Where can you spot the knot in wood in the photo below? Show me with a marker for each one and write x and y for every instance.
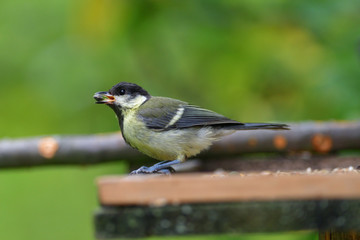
(322, 143)
(48, 147)
(280, 142)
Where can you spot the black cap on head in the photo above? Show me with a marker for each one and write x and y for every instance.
(123, 88)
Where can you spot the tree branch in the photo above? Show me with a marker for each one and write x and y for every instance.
(89, 149)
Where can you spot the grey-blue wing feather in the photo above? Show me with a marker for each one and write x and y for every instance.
(158, 112)
(196, 116)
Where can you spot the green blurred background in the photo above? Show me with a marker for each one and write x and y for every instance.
(250, 60)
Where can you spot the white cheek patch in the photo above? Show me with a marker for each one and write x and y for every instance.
(126, 101)
(120, 100)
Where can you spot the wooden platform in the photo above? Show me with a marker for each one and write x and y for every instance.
(183, 204)
(225, 187)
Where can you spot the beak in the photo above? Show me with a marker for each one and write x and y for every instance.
(104, 98)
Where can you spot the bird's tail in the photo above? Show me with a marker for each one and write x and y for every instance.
(252, 126)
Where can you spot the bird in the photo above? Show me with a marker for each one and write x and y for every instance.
(168, 129)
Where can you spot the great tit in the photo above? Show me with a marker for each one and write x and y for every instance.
(167, 129)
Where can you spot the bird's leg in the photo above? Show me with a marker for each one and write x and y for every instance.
(163, 167)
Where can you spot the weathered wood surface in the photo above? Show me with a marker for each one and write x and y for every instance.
(207, 188)
(183, 204)
(246, 163)
(339, 235)
(277, 163)
(216, 218)
(321, 137)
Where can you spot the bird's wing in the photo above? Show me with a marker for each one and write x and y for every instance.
(196, 116)
(166, 113)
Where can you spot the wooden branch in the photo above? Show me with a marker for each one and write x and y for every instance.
(321, 137)
(88, 149)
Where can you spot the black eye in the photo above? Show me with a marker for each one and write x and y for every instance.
(122, 91)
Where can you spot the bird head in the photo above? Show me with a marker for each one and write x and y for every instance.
(123, 95)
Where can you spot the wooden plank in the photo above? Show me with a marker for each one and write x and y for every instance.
(207, 188)
(217, 218)
(339, 235)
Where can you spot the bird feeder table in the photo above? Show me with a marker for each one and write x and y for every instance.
(189, 204)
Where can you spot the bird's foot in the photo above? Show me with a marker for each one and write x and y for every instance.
(150, 170)
(163, 167)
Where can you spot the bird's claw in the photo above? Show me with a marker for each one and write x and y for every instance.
(152, 170)
(166, 171)
(163, 167)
